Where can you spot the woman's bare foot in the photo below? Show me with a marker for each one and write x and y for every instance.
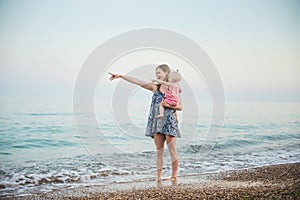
(174, 181)
(159, 184)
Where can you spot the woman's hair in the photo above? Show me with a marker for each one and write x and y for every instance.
(165, 69)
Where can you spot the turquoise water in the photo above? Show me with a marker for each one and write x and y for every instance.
(41, 148)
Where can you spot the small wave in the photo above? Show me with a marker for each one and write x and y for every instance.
(195, 148)
(277, 137)
(49, 114)
(221, 145)
(241, 127)
(5, 153)
(63, 178)
(236, 143)
(42, 143)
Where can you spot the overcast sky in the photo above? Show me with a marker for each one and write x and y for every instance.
(254, 44)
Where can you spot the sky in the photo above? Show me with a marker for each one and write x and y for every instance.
(254, 44)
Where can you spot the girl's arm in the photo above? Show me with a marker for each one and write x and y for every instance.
(143, 84)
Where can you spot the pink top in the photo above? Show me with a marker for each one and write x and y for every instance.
(172, 95)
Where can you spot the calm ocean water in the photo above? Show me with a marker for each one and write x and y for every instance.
(41, 150)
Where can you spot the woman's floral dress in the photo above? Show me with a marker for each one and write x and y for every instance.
(166, 125)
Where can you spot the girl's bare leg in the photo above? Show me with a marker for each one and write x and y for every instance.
(171, 142)
(161, 111)
(176, 115)
(159, 140)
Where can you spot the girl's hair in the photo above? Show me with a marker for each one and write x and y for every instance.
(176, 75)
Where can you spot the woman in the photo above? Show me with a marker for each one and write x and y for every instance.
(161, 129)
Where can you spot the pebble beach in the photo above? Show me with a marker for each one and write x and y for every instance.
(268, 182)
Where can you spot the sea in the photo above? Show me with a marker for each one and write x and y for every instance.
(45, 145)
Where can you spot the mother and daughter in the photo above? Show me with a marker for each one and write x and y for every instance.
(162, 120)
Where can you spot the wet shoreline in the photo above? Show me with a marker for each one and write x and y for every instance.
(275, 181)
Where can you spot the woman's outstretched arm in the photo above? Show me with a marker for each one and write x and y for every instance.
(143, 84)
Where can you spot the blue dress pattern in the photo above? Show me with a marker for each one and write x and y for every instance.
(166, 125)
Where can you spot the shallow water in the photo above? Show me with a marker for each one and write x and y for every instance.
(41, 147)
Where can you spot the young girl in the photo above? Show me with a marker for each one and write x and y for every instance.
(172, 94)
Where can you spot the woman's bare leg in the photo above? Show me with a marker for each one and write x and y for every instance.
(159, 140)
(171, 142)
